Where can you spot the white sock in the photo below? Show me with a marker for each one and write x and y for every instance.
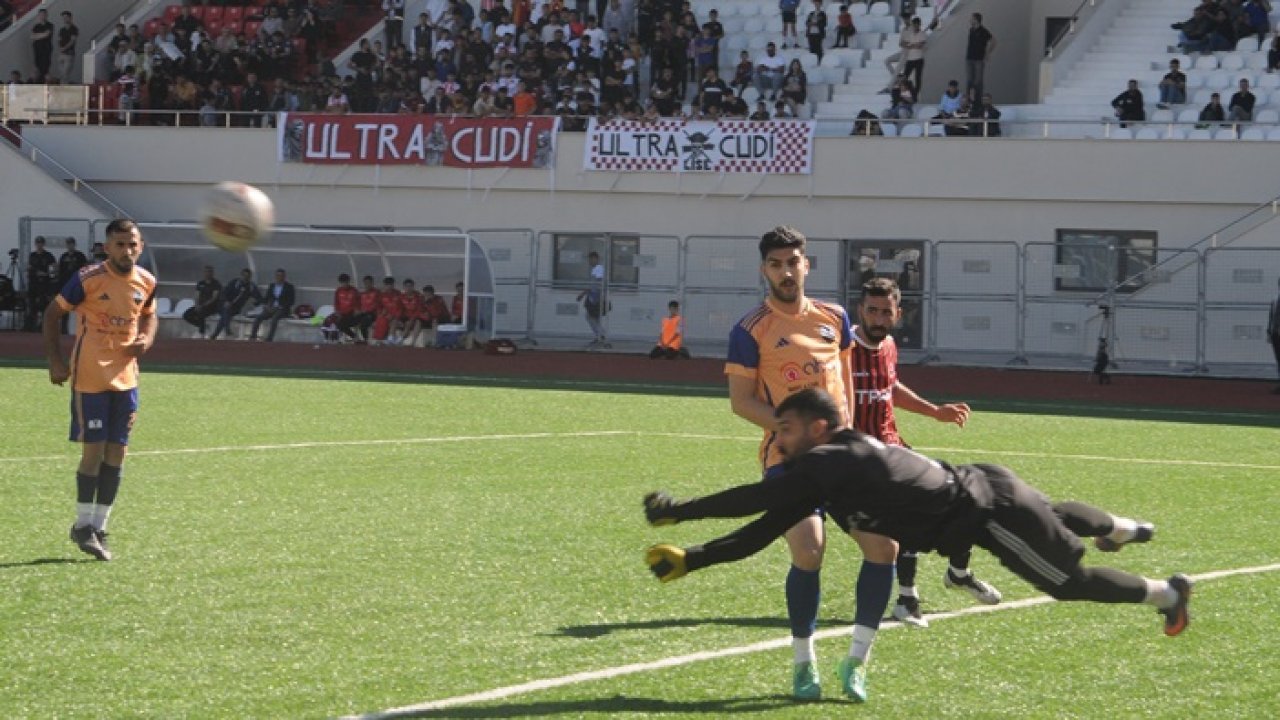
(803, 649)
(100, 515)
(907, 590)
(1160, 594)
(860, 648)
(84, 514)
(1122, 529)
(956, 572)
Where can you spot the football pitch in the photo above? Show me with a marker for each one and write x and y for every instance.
(314, 547)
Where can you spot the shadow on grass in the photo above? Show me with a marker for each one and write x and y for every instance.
(595, 631)
(44, 561)
(618, 705)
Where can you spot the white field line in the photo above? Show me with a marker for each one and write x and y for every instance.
(345, 443)
(634, 433)
(670, 662)
(1012, 453)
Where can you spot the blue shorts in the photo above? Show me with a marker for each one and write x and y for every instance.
(103, 416)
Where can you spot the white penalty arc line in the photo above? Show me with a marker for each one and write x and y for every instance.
(670, 662)
(346, 443)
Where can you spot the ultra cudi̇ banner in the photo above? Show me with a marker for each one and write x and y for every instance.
(528, 142)
(726, 146)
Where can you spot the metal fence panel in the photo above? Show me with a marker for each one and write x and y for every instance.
(709, 317)
(1160, 337)
(1237, 336)
(510, 254)
(1059, 328)
(981, 325)
(1241, 275)
(642, 275)
(976, 268)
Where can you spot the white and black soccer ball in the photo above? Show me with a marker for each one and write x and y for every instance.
(236, 216)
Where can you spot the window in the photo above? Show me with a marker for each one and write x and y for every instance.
(1099, 260)
(903, 262)
(571, 266)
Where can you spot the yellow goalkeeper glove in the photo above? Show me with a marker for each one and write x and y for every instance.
(658, 509)
(666, 562)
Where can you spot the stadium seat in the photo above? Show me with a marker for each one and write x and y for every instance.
(163, 305)
(747, 9)
(1256, 61)
(1266, 117)
(1231, 62)
(212, 13)
(1162, 116)
(732, 26)
(758, 42)
(1201, 98)
(913, 130)
(1194, 81)
(857, 10)
(1226, 133)
(212, 28)
(235, 25)
(197, 11)
(1147, 133)
(1176, 134)
(879, 9)
(251, 28)
(1269, 81)
(1260, 97)
(1119, 133)
(151, 28)
(1273, 134)
(233, 14)
(171, 13)
(1200, 134)
(887, 25)
(1189, 115)
(1206, 62)
(1253, 133)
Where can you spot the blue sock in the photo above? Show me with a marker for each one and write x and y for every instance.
(803, 593)
(875, 585)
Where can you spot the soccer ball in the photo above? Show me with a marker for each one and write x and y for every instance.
(236, 216)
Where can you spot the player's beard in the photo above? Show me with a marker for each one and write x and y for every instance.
(124, 266)
(788, 291)
(875, 333)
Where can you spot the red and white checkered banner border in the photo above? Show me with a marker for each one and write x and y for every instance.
(726, 146)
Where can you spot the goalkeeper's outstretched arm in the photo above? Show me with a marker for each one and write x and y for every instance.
(660, 508)
(669, 562)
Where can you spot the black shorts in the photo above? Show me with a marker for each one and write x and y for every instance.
(1026, 535)
(788, 17)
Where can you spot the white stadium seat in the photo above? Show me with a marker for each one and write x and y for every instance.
(753, 25)
(914, 130)
(1189, 115)
(1119, 133)
(879, 8)
(1200, 134)
(1162, 116)
(1273, 134)
(1266, 117)
(1147, 133)
(1232, 62)
(163, 306)
(1226, 133)
(1253, 133)
(1206, 62)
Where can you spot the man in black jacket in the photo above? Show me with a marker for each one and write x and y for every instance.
(923, 504)
(1129, 105)
(235, 295)
(277, 303)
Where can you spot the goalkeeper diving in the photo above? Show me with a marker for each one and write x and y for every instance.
(924, 505)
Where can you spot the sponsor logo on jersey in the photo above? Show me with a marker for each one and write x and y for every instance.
(792, 372)
(870, 397)
(826, 332)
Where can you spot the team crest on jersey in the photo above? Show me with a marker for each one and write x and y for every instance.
(827, 332)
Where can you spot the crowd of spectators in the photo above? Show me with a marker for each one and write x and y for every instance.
(607, 58)
(1217, 25)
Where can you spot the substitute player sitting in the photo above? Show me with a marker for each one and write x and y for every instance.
(404, 330)
(922, 503)
(115, 325)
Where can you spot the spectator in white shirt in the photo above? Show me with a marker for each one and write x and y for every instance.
(770, 68)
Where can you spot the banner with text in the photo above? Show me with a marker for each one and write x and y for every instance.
(725, 146)
(528, 142)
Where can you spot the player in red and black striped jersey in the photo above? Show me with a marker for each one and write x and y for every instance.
(876, 391)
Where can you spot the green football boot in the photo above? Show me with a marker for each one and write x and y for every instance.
(804, 682)
(853, 679)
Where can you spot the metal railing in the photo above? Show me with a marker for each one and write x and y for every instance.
(58, 171)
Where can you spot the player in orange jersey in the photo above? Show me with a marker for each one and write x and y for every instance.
(671, 339)
(787, 344)
(115, 325)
